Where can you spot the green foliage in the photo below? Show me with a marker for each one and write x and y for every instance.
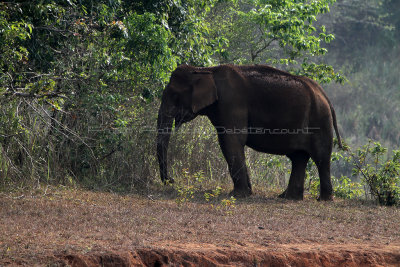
(80, 83)
(268, 171)
(379, 173)
(277, 32)
(214, 194)
(185, 193)
(345, 188)
(227, 205)
(191, 185)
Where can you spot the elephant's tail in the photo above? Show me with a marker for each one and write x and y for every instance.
(335, 125)
(333, 119)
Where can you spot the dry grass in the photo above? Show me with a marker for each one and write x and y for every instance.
(37, 225)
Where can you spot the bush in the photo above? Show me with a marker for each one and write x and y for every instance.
(344, 187)
(379, 172)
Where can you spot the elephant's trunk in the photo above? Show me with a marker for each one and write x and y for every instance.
(164, 128)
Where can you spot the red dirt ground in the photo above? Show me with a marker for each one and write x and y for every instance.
(59, 227)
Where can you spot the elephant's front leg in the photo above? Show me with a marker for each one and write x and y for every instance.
(233, 150)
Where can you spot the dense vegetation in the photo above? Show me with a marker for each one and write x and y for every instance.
(80, 82)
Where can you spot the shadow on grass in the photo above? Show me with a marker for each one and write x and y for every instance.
(173, 192)
(158, 191)
(262, 196)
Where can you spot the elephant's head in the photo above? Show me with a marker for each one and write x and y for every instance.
(189, 91)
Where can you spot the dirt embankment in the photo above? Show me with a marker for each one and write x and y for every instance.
(293, 255)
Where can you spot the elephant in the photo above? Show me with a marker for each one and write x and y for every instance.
(264, 108)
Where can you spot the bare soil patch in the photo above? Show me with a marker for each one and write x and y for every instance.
(82, 228)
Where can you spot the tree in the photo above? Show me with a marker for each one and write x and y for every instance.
(276, 32)
(79, 79)
(74, 75)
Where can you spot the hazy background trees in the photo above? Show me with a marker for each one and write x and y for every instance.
(80, 80)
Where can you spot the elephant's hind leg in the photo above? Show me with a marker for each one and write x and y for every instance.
(295, 189)
(326, 189)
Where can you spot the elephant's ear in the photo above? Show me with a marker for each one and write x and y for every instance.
(204, 91)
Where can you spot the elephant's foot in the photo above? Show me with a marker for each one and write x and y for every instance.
(241, 193)
(325, 197)
(291, 196)
(283, 195)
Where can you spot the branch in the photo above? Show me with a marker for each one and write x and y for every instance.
(61, 125)
(33, 95)
(255, 54)
(51, 29)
